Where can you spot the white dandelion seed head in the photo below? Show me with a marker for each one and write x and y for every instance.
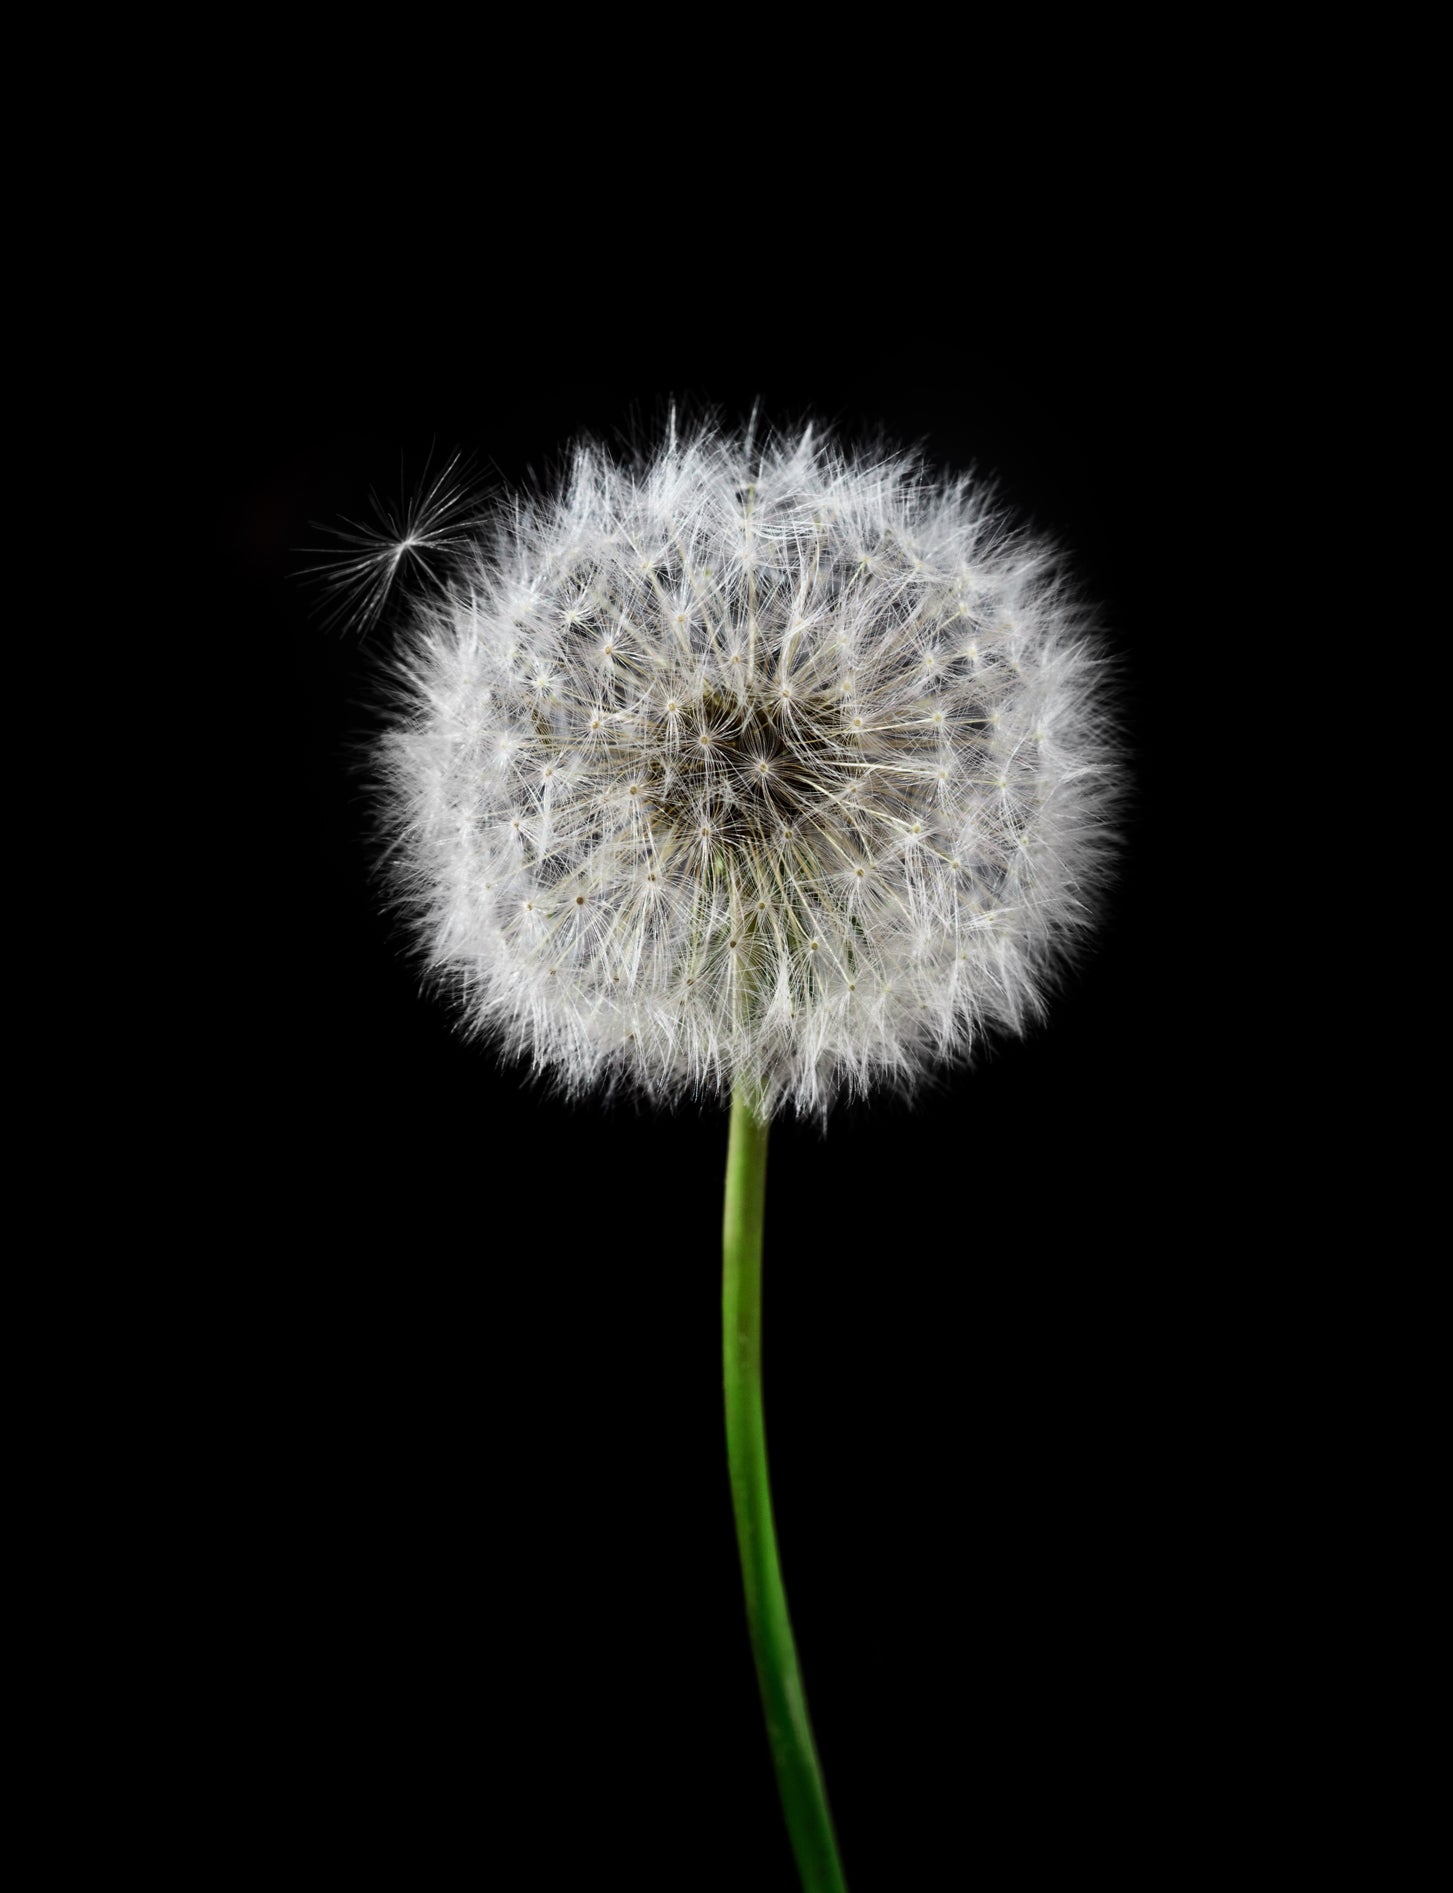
(742, 763)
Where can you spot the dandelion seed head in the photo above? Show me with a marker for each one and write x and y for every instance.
(693, 779)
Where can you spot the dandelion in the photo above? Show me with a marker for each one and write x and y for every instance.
(772, 772)
(758, 771)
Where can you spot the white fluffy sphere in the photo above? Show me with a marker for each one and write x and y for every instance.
(774, 766)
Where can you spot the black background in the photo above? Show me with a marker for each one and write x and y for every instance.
(480, 1563)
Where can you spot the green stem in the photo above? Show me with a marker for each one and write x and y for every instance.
(799, 1774)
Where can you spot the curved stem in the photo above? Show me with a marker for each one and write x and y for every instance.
(799, 1774)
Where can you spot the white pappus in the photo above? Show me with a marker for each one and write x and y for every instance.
(770, 765)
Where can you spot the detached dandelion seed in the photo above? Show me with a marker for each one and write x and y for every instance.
(758, 771)
(367, 566)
